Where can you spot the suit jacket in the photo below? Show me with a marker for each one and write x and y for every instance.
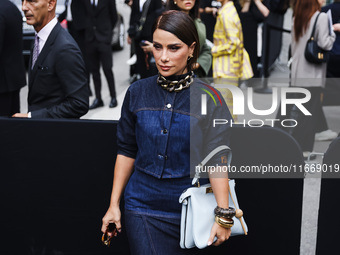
(12, 69)
(58, 81)
(101, 20)
(78, 12)
(155, 9)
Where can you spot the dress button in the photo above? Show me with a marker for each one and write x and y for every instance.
(165, 157)
(165, 131)
(168, 106)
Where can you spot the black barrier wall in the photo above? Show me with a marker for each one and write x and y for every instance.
(55, 186)
(329, 224)
(56, 180)
(272, 206)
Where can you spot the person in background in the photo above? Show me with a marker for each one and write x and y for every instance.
(133, 57)
(56, 73)
(251, 13)
(154, 151)
(332, 87)
(309, 75)
(101, 17)
(191, 7)
(75, 16)
(141, 42)
(230, 60)
(208, 12)
(12, 68)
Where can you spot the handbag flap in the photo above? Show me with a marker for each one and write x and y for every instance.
(188, 192)
(203, 205)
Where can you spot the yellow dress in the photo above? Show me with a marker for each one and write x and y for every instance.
(230, 60)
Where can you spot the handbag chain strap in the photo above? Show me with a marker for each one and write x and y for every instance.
(143, 16)
(312, 34)
(199, 167)
(240, 217)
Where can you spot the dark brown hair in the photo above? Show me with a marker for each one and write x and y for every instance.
(193, 13)
(303, 12)
(183, 27)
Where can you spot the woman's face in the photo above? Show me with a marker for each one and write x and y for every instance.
(170, 53)
(186, 5)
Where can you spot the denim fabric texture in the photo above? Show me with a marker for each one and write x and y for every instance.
(167, 135)
(147, 236)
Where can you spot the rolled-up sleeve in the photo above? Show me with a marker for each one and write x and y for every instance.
(126, 132)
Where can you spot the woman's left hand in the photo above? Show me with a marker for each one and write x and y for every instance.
(222, 235)
(148, 46)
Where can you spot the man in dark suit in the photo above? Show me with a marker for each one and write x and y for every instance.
(57, 76)
(12, 69)
(101, 19)
(76, 21)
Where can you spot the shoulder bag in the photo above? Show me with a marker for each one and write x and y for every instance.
(198, 204)
(313, 53)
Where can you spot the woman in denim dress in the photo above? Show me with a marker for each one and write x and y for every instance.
(162, 134)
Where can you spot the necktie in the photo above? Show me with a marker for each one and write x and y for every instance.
(35, 50)
(94, 4)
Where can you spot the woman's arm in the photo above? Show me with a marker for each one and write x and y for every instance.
(220, 186)
(231, 33)
(211, 10)
(262, 8)
(122, 173)
(245, 6)
(324, 37)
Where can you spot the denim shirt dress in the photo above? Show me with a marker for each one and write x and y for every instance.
(167, 136)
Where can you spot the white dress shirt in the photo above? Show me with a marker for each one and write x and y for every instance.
(45, 32)
(141, 3)
(95, 2)
(68, 12)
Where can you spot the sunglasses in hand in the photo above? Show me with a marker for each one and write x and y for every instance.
(110, 232)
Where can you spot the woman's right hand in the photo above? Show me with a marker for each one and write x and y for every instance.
(113, 215)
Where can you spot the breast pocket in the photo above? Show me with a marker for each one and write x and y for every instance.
(46, 81)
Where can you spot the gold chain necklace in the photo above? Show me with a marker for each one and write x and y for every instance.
(175, 85)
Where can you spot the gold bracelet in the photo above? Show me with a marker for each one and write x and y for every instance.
(224, 223)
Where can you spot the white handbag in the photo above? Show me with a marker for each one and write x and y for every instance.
(198, 204)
